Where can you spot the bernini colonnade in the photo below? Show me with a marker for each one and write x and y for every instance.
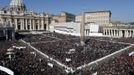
(123, 31)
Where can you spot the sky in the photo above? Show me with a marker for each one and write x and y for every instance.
(122, 10)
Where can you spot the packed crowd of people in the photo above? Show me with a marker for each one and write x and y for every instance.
(38, 38)
(68, 50)
(62, 50)
(126, 40)
(121, 65)
(25, 61)
(122, 39)
(4, 45)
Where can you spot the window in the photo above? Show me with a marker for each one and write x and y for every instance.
(28, 27)
(19, 27)
(5, 11)
(36, 27)
(44, 26)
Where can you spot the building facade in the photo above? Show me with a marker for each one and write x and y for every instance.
(74, 28)
(7, 32)
(63, 17)
(71, 28)
(22, 19)
(119, 30)
(100, 17)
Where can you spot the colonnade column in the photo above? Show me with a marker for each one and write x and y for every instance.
(33, 24)
(42, 24)
(106, 31)
(126, 33)
(22, 24)
(111, 32)
(30, 24)
(38, 24)
(26, 23)
(47, 23)
(16, 24)
(114, 32)
(131, 33)
(120, 33)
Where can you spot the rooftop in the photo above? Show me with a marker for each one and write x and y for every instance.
(98, 11)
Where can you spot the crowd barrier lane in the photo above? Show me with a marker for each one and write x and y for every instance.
(6, 70)
(104, 58)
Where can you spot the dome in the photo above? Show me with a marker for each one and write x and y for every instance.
(16, 3)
